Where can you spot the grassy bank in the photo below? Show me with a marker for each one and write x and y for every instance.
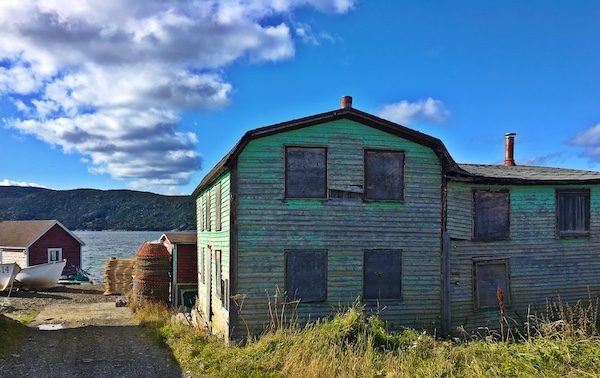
(10, 333)
(352, 344)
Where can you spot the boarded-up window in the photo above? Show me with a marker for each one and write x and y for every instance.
(218, 204)
(489, 276)
(573, 212)
(201, 212)
(384, 175)
(491, 218)
(305, 172)
(382, 274)
(201, 262)
(207, 214)
(218, 270)
(306, 275)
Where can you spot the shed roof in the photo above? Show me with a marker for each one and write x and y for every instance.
(346, 113)
(180, 237)
(528, 174)
(22, 234)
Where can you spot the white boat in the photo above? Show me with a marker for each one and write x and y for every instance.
(7, 275)
(42, 276)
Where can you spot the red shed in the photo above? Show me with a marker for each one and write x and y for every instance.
(36, 242)
(184, 260)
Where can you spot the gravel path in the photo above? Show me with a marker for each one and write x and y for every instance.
(97, 339)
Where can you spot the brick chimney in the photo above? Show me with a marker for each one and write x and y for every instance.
(346, 102)
(509, 150)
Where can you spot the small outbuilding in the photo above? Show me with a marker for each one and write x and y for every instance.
(184, 263)
(34, 242)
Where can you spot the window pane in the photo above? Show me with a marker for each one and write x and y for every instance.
(384, 175)
(382, 274)
(492, 215)
(306, 275)
(306, 172)
(573, 211)
(491, 275)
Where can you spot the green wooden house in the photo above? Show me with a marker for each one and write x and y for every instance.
(344, 205)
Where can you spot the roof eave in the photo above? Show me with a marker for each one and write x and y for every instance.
(350, 113)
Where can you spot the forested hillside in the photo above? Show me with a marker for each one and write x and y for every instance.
(91, 209)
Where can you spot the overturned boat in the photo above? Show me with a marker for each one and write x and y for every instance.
(7, 275)
(42, 276)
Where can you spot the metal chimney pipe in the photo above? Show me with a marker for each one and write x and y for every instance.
(509, 150)
(346, 102)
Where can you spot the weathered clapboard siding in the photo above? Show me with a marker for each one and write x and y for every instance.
(268, 224)
(216, 240)
(542, 266)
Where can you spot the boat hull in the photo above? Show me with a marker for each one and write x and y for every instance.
(42, 276)
(7, 275)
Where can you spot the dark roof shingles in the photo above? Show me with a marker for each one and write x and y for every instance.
(529, 173)
(22, 233)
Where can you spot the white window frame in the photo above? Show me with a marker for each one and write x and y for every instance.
(50, 250)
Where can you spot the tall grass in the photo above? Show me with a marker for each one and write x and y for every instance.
(563, 342)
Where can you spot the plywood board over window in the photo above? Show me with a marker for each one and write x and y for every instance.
(382, 274)
(491, 215)
(306, 275)
(305, 172)
(207, 215)
(573, 212)
(490, 275)
(384, 175)
(218, 271)
(218, 205)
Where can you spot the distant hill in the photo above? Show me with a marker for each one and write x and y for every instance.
(91, 209)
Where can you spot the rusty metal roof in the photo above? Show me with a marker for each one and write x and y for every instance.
(181, 237)
(527, 174)
(21, 234)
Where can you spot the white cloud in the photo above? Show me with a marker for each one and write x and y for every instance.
(108, 79)
(7, 182)
(407, 113)
(590, 141)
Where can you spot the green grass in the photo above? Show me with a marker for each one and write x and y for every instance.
(25, 318)
(11, 332)
(353, 345)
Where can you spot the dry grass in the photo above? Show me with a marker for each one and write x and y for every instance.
(11, 332)
(560, 343)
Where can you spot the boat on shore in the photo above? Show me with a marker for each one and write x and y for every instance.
(42, 276)
(8, 273)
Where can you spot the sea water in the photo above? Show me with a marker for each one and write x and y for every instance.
(101, 245)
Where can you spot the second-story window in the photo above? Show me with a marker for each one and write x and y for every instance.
(218, 204)
(573, 212)
(305, 172)
(491, 217)
(384, 175)
(207, 209)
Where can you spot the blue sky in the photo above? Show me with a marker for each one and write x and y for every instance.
(527, 67)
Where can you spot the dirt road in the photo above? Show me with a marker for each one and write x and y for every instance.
(93, 338)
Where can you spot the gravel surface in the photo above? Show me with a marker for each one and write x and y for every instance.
(94, 339)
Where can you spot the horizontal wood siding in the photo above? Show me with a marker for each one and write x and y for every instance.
(56, 237)
(269, 224)
(459, 213)
(18, 256)
(542, 266)
(216, 240)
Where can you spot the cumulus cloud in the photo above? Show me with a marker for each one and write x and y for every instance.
(407, 113)
(7, 182)
(109, 79)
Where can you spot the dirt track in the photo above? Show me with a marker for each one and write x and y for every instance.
(97, 339)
